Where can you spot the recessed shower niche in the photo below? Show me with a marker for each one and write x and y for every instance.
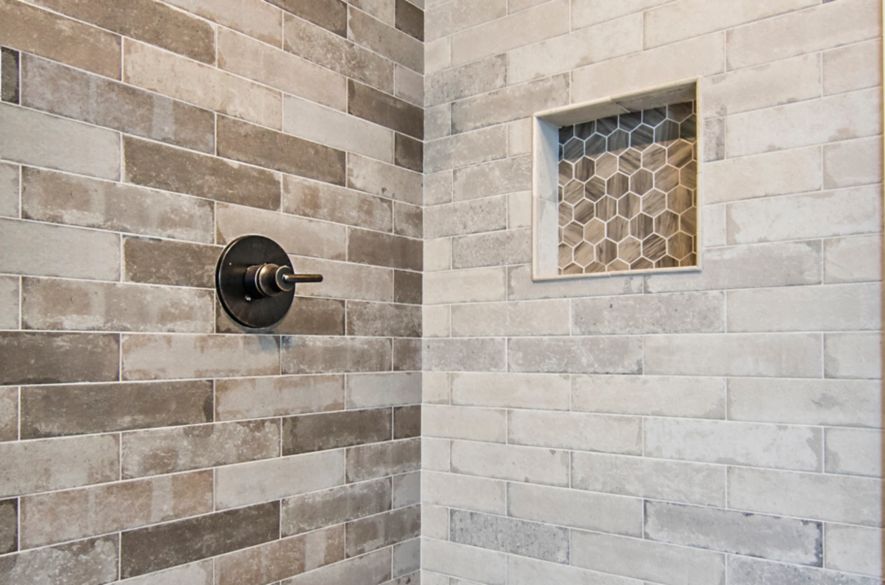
(616, 185)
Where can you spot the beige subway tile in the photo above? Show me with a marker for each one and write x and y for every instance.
(408, 85)
(53, 464)
(854, 452)
(510, 103)
(822, 27)
(853, 162)
(437, 56)
(52, 358)
(370, 569)
(464, 562)
(199, 573)
(9, 190)
(763, 175)
(589, 12)
(464, 149)
(306, 512)
(466, 217)
(854, 549)
(526, 571)
(505, 319)
(314, 355)
(573, 430)
(383, 10)
(456, 83)
(200, 84)
(40, 139)
(386, 40)
(280, 69)
(662, 313)
(540, 391)
(329, 202)
(464, 492)
(464, 355)
(460, 422)
(478, 284)
(578, 355)
(446, 18)
(242, 398)
(650, 395)
(256, 18)
(160, 451)
(382, 179)
(493, 178)
(346, 280)
(853, 355)
(513, 462)
(386, 389)
(383, 319)
(794, 355)
(810, 402)
(9, 302)
(437, 254)
(853, 67)
(69, 515)
(86, 561)
(855, 259)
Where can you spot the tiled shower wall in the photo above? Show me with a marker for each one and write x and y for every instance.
(703, 428)
(142, 435)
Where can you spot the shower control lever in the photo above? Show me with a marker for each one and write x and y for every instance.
(268, 279)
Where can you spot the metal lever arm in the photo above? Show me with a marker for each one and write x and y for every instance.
(268, 280)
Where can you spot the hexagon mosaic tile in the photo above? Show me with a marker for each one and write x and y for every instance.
(627, 192)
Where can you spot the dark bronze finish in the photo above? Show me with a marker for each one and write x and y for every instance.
(256, 282)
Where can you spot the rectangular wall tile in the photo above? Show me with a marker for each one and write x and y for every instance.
(383, 319)
(466, 562)
(511, 103)
(9, 190)
(8, 526)
(580, 431)
(582, 355)
(370, 461)
(470, 79)
(853, 355)
(370, 104)
(87, 561)
(852, 67)
(324, 201)
(368, 247)
(458, 422)
(512, 462)
(371, 569)
(9, 413)
(256, 18)
(316, 432)
(650, 395)
(9, 302)
(313, 355)
(746, 571)
(374, 532)
(465, 355)
(852, 162)
(541, 391)
(763, 175)
(306, 512)
(241, 398)
(854, 452)
(464, 492)
(388, 41)
(854, 549)
(156, 261)
(347, 280)
(386, 389)
(379, 178)
(494, 249)
(52, 358)
(329, 14)
(529, 539)
(625, 315)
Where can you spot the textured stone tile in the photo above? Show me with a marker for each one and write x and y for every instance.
(841, 117)
(280, 69)
(370, 569)
(86, 561)
(530, 539)
(71, 93)
(769, 537)
(199, 573)
(61, 198)
(323, 201)
(854, 452)
(385, 40)
(589, 12)
(471, 79)
(316, 432)
(347, 280)
(408, 287)
(444, 19)
(374, 532)
(494, 249)
(391, 458)
(436, 454)
(334, 52)
(9, 190)
(763, 175)
(163, 167)
(650, 395)
(576, 509)
(37, 31)
(437, 254)
(52, 464)
(643, 559)
(68, 515)
(776, 355)
(256, 18)
(200, 84)
(8, 413)
(822, 28)
(370, 104)
(833, 498)
(307, 316)
(296, 235)
(464, 492)
(406, 488)
(465, 355)
(493, 178)
(167, 262)
(466, 217)
(539, 391)
(159, 451)
(590, 355)
(680, 313)
(521, 286)
(634, 476)
(329, 14)
(242, 398)
(10, 86)
(272, 479)
(314, 355)
(466, 562)
(157, 547)
(408, 152)
(95, 408)
(383, 10)
(40, 139)
(459, 422)
(64, 304)
(434, 524)
(585, 432)
(147, 357)
(386, 389)
(8, 526)
(745, 571)
(853, 355)
(852, 162)
(511, 462)
(307, 512)
(9, 302)
(854, 549)
(525, 571)
(383, 319)
(410, 19)
(812, 402)
(511, 103)
(52, 358)
(279, 559)
(382, 179)
(852, 67)
(369, 247)
(465, 149)
(407, 354)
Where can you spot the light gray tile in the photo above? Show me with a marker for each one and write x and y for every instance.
(528, 539)
(746, 571)
(576, 509)
(513, 462)
(464, 491)
(590, 355)
(854, 452)
(854, 549)
(650, 395)
(853, 355)
(662, 313)
(573, 430)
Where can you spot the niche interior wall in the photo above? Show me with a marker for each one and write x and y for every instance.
(143, 437)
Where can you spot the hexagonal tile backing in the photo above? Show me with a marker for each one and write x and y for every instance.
(627, 192)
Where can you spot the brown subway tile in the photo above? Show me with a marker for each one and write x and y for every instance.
(407, 287)
(310, 355)
(316, 432)
(384, 109)
(159, 451)
(308, 316)
(73, 514)
(383, 319)
(406, 422)
(408, 220)
(323, 201)
(268, 148)
(382, 459)
(9, 75)
(406, 354)
(386, 40)
(329, 14)
(32, 30)
(409, 153)
(307, 512)
(145, 20)
(52, 358)
(56, 464)
(8, 413)
(91, 561)
(62, 198)
(67, 92)
(163, 167)
(410, 19)
(255, 18)
(101, 408)
(49, 303)
(277, 396)
(164, 262)
(8, 526)
(158, 547)
(374, 532)
(368, 247)
(280, 559)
